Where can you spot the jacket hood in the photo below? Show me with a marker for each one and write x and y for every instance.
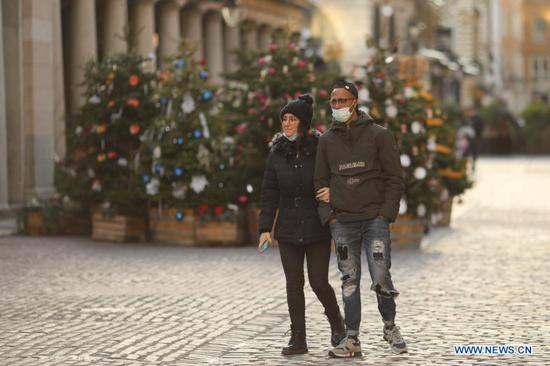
(364, 119)
(281, 144)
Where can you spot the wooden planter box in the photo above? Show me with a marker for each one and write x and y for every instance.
(118, 228)
(166, 229)
(34, 223)
(253, 220)
(407, 232)
(220, 233)
(446, 210)
(77, 224)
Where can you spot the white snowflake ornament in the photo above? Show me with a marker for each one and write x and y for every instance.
(198, 183)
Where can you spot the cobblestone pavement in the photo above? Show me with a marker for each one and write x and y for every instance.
(72, 301)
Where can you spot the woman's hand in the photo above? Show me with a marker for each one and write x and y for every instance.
(264, 237)
(323, 195)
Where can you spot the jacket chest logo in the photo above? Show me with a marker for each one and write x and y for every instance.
(353, 181)
(355, 164)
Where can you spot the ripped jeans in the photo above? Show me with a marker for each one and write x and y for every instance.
(374, 236)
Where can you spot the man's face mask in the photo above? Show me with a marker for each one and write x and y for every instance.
(341, 114)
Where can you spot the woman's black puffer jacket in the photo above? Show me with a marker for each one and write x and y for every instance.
(288, 186)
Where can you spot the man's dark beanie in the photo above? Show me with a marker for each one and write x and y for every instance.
(349, 86)
(301, 108)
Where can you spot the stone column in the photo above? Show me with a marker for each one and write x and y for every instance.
(115, 15)
(11, 29)
(265, 37)
(232, 43)
(142, 21)
(38, 70)
(4, 202)
(58, 80)
(191, 25)
(83, 46)
(169, 32)
(251, 39)
(214, 45)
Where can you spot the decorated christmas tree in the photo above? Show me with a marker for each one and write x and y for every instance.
(405, 110)
(449, 162)
(104, 136)
(186, 157)
(256, 92)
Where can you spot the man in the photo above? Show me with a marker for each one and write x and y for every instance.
(358, 173)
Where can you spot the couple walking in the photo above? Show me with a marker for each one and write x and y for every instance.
(346, 184)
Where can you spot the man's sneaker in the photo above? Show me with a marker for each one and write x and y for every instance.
(393, 337)
(349, 347)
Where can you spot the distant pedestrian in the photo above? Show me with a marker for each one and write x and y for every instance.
(288, 187)
(474, 120)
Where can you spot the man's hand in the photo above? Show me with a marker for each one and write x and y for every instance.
(323, 195)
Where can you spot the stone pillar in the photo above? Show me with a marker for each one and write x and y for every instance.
(4, 201)
(11, 29)
(115, 15)
(169, 29)
(191, 25)
(58, 80)
(38, 100)
(142, 21)
(83, 46)
(213, 45)
(251, 39)
(232, 43)
(265, 37)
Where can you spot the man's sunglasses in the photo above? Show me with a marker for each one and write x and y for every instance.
(339, 101)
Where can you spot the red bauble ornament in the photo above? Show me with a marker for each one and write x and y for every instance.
(243, 198)
(271, 71)
(202, 209)
(134, 129)
(273, 47)
(301, 64)
(323, 93)
(133, 102)
(134, 80)
(219, 210)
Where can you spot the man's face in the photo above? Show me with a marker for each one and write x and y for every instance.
(341, 98)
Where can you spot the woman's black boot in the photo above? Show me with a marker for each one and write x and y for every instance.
(297, 344)
(337, 329)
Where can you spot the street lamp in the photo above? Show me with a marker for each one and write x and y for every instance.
(231, 13)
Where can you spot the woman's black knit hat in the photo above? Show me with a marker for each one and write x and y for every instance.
(301, 108)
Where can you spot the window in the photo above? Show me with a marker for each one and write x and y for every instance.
(539, 30)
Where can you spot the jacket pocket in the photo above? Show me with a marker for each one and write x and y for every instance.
(356, 186)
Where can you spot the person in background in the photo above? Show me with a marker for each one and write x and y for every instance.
(475, 121)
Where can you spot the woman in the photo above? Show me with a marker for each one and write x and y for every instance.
(288, 187)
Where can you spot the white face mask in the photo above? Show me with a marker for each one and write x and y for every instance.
(291, 138)
(342, 114)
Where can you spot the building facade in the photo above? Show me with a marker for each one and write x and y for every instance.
(45, 44)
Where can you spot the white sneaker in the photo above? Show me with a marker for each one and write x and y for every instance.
(349, 347)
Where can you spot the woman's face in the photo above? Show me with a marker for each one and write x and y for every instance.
(290, 124)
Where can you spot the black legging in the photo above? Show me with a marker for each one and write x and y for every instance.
(318, 257)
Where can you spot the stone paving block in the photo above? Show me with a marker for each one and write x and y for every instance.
(484, 280)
